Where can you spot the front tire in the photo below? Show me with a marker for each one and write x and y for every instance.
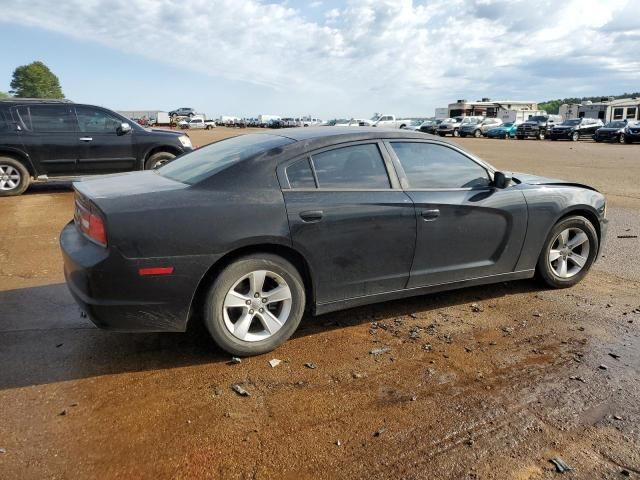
(255, 304)
(575, 136)
(157, 160)
(568, 252)
(456, 133)
(477, 134)
(540, 135)
(14, 177)
(621, 138)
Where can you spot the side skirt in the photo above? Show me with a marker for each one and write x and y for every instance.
(412, 292)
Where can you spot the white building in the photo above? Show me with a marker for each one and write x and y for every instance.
(569, 110)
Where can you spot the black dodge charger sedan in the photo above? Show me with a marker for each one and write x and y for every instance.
(251, 231)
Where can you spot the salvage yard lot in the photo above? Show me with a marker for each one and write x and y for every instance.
(488, 382)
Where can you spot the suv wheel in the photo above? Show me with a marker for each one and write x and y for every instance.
(621, 138)
(575, 136)
(456, 132)
(158, 159)
(14, 177)
(540, 135)
(477, 133)
(255, 304)
(568, 252)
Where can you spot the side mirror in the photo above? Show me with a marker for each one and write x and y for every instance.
(501, 179)
(123, 129)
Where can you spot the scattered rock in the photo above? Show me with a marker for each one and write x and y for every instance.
(414, 398)
(311, 365)
(74, 404)
(427, 347)
(338, 443)
(2, 450)
(274, 362)
(609, 305)
(578, 378)
(536, 314)
(603, 367)
(380, 351)
(63, 413)
(413, 315)
(617, 417)
(239, 390)
(625, 473)
(475, 307)
(561, 466)
(235, 360)
(379, 432)
(614, 355)
(358, 375)
(468, 349)
(507, 329)
(59, 345)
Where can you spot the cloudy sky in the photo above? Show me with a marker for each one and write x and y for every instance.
(326, 58)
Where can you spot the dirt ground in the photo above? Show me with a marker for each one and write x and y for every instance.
(491, 391)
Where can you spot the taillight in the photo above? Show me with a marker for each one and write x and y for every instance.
(90, 222)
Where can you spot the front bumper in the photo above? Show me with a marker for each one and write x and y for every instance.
(560, 134)
(109, 288)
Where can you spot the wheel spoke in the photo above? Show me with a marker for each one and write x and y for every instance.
(256, 281)
(278, 294)
(578, 240)
(241, 327)
(564, 237)
(561, 269)
(270, 321)
(554, 255)
(235, 299)
(579, 260)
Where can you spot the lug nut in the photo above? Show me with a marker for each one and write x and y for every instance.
(248, 302)
(261, 310)
(256, 295)
(251, 312)
(264, 300)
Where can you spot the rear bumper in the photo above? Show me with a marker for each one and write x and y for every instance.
(109, 288)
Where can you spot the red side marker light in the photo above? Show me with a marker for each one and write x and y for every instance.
(155, 271)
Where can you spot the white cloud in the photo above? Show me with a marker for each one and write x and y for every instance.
(394, 55)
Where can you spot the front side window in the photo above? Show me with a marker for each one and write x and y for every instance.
(300, 175)
(431, 166)
(47, 118)
(357, 166)
(92, 120)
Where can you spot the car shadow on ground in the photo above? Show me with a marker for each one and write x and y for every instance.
(43, 338)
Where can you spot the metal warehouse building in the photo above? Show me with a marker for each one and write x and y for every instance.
(608, 109)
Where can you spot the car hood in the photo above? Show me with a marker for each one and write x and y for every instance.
(530, 179)
(110, 191)
(161, 131)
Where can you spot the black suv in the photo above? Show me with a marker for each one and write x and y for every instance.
(537, 126)
(575, 128)
(43, 140)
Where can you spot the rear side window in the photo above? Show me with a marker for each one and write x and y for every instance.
(357, 166)
(207, 161)
(300, 175)
(431, 166)
(4, 121)
(48, 118)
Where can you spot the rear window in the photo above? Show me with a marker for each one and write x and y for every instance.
(207, 161)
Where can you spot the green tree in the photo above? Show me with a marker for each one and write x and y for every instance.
(36, 81)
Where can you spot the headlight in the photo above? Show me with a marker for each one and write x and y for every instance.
(185, 141)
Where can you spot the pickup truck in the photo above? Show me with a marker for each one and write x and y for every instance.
(199, 122)
(389, 121)
(537, 126)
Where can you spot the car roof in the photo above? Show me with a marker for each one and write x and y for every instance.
(333, 135)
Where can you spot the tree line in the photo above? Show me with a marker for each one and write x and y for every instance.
(552, 106)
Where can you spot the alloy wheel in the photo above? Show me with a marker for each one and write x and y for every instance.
(9, 177)
(569, 252)
(257, 306)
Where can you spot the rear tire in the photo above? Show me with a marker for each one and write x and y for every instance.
(558, 250)
(246, 329)
(157, 160)
(477, 133)
(540, 135)
(14, 177)
(456, 133)
(575, 136)
(621, 138)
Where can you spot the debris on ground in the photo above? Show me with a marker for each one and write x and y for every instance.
(617, 417)
(338, 443)
(561, 466)
(507, 330)
(235, 360)
(358, 375)
(578, 378)
(603, 367)
(310, 365)
(614, 355)
(537, 314)
(59, 345)
(627, 236)
(2, 450)
(377, 433)
(475, 307)
(427, 347)
(239, 390)
(274, 362)
(380, 351)
(63, 413)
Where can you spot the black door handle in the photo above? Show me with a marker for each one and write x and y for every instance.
(311, 215)
(430, 215)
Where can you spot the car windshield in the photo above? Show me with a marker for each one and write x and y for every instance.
(470, 120)
(615, 125)
(537, 118)
(207, 161)
(508, 124)
(574, 121)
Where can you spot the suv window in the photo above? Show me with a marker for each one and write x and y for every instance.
(432, 166)
(357, 166)
(300, 175)
(4, 122)
(47, 118)
(92, 120)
